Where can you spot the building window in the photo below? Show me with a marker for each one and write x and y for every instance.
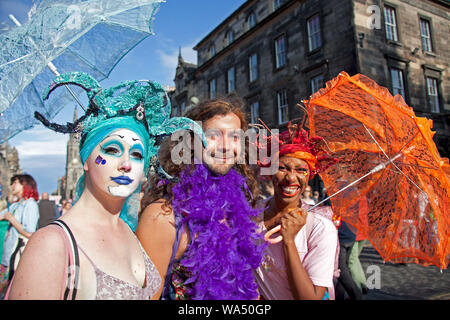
(390, 24)
(253, 67)
(231, 84)
(316, 83)
(229, 37)
(251, 21)
(314, 35)
(280, 52)
(398, 84)
(254, 112)
(283, 107)
(433, 94)
(175, 111)
(212, 51)
(425, 34)
(277, 4)
(212, 88)
(183, 108)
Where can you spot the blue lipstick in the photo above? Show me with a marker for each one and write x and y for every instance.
(122, 180)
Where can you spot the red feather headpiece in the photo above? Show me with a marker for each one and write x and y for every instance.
(295, 142)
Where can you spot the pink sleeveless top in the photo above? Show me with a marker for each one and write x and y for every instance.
(112, 288)
(108, 287)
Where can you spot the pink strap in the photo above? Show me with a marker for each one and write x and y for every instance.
(68, 257)
(68, 260)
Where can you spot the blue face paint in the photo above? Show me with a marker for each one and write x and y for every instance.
(137, 152)
(100, 160)
(112, 148)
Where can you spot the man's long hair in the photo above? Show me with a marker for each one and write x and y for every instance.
(202, 112)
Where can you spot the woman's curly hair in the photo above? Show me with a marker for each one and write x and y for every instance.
(201, 112)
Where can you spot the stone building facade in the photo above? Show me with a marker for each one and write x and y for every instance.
(74, 167)
(9, 166)
(274, 53)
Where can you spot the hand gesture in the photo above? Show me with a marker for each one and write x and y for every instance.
(292, 222)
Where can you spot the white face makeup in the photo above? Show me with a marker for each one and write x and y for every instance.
(117, 164)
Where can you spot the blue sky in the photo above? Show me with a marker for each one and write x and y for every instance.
(179, 23)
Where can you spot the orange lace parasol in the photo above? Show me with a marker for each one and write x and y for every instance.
(402, 201)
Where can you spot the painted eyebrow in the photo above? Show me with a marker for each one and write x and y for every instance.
(121, 137)
(118, 135)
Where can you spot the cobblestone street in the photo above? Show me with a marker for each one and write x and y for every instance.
(405, 281)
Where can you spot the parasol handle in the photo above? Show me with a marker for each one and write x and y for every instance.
(50, 65)
(379, 167)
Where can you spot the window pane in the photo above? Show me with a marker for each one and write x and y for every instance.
(253, 67)
(175, 111)
(397, 82)
(230, 37)
(390, 24)
(316, 83)
(276, 4)
(251, 21)
(230, 79)
(212, 51)
(425, 35)
(283, 108)
(212, 88)
(280, 52)
(254, 112)
(314, 37)
(433, 94)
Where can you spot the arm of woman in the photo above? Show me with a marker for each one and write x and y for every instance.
(156, 232)
(40, 273)
(16, 224)
(30, 218)
(302, 287)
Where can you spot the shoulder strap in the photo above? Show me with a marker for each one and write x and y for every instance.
(73, 265)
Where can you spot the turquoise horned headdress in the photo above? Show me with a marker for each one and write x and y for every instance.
(140, 106)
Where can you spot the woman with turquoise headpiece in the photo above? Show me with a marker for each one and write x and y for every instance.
(91, 252)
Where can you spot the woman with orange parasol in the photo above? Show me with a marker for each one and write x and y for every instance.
(300, 262)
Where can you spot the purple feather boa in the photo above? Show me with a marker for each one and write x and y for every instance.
(223, 256)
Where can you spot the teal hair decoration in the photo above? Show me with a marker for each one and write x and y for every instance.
(138, 105)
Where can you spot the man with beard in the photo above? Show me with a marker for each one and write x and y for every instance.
(198, 229)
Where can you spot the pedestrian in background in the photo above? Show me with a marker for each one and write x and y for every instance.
(346, 286)
(354, 264)
(3, 229)
(67, 206)
(23, 216)
(316, 196)
(306, 196)
(47, 210)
